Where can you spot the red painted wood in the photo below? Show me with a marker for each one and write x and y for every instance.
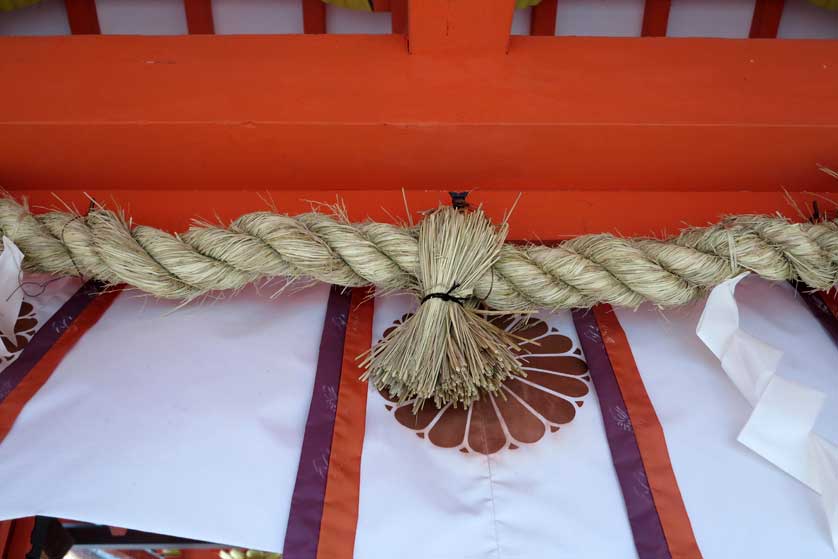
(82, 17)
(18, 541)
(5, 532)
(199, 19)
(314, 17)
(539, 215)
(398, 16)
(197, 554)
(543, 18)
(655, 18)
(461, 27)
(304, 112)
(766, 20)
(381, 5)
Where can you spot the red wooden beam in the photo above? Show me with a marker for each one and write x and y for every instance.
(314, 17)
(542, 215)
(82, 17)
(464, 27)
(358, 112)
(398, 16)
(766, 20)
(543, 18)
(655, 18)
(199, 17)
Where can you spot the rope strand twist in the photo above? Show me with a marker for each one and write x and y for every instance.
(445, 352)
(577, 273)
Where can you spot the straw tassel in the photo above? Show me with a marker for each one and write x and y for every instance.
(447, 350)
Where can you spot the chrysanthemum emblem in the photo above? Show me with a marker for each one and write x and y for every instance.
(524, 411)
(25, 328)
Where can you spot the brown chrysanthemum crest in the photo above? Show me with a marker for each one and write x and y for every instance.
(523, 411)
(25, 327)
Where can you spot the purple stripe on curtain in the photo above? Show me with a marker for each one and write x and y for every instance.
(649, 539)
(818, 307)
(303, 530)
(46, 336)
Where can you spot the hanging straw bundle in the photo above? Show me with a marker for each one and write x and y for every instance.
(447, 350)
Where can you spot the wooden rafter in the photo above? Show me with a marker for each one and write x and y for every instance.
(655, 18)
(543, 18)
(314, 17)
(766, 20)
(199, 19)
(82, 17)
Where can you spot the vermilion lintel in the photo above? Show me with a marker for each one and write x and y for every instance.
(359, 112)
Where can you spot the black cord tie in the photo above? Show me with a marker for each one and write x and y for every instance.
(445, 296)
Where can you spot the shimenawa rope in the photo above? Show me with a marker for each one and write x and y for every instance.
(577, 273)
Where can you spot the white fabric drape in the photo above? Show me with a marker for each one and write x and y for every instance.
(190, 423)
(185, 422)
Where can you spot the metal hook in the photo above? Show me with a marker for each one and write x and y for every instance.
(458, 200)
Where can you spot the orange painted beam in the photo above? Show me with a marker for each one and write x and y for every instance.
(766, 20)
(357, 112)
(314, 16)
(655, 18)
(82, 17)
(461, 27)
(199, 19)
(543, 18)
(539, 215)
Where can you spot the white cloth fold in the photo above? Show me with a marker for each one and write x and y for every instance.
(781, 426)
(11, 296)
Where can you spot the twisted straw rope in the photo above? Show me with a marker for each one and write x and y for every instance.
(575, 274)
